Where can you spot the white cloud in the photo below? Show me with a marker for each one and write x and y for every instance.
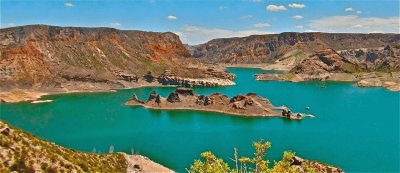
(310, 30)
(246, 17)
(349, 9)
(298, 17)
(358, 12)
(172, 17)
(68, 4)
(353, 23)
(11, 24)
(294, 5)
(261, 25)
(115, 24)
(196, 35)
(275, 8)
(299, 26)
(357, 26)
(222, 7)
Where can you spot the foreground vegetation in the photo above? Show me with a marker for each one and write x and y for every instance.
(290, 163)
(23, 152)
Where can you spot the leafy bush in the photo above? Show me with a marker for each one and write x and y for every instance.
(209, 163)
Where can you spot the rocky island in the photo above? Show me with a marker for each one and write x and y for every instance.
(249, 105)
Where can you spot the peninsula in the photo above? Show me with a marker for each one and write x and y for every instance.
(366, 67)
(249, 105)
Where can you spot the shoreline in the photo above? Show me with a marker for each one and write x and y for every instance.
(362, 80)
(204, 110)
(262, 66)
(30, 95)
(130, 163)
(184, 99)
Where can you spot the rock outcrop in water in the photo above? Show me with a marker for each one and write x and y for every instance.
(52, 58)
(250, 105)
(213, 78)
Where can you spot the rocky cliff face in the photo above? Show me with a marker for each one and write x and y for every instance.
(272, 47)
(385, 58)
(38, 56)
(325, 61)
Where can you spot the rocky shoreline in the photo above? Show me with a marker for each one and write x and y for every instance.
(376, 67)
(249, 105)
(214, 78)
(43, 156)
(390, 81)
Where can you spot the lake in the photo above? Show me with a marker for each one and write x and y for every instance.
(355, 128)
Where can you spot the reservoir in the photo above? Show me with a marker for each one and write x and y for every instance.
(356, 129)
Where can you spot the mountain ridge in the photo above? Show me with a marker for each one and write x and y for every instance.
(44, 56)
(270, 47)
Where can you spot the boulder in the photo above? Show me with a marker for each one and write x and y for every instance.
(237, 105)
(135, 98)
(184, 91)
(248, 102)
(297, 160)
(6, 131)
(208, 100)
(173, 97)
(237, 98)
(204, 100)
(153, 95)
(158, 99)
(286, 113)
(149, 77)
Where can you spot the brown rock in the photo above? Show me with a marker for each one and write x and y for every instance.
(184, 91)
(153, 96)
(173, 97)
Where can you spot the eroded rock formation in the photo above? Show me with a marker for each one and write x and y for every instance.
(244, 105)
(42, 57)
(272, 47)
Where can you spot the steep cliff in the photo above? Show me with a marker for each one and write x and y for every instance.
(273, 47)
(41, 56)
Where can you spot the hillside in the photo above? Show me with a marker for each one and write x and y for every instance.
(43, 57)
(272, 47)
(23, 152)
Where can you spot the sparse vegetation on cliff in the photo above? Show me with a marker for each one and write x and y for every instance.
(23, 152)
(290, 163)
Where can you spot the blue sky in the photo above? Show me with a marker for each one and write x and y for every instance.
(199, 21)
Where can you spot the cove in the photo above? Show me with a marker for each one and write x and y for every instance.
(355, 128)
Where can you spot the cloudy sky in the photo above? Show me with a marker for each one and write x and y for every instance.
(198, 21)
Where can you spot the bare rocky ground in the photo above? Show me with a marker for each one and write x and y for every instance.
(367, 67)
(249, 105)
(42, 59)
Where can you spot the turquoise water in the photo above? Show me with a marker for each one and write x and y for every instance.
(355, 128)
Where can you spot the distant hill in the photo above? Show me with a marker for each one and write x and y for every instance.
(271, 48)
